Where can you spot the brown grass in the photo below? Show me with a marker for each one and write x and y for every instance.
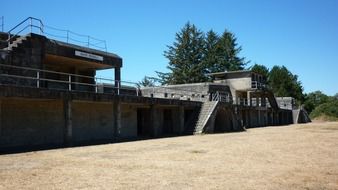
(289, 157)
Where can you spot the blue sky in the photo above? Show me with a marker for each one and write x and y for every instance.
(300, 34)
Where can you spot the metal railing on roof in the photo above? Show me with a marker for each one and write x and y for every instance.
(39, 78)
(34, 25)
(221, 97)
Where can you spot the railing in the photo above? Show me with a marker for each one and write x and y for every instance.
(257, 85)
(38, 78)
(173, 93)
(35, 25)
(221, 97)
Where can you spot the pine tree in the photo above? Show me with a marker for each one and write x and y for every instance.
(185, 57)
(283, 83)
(194, 55)
(228, 51)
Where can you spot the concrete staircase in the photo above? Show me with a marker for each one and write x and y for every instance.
(208, 108)
(17, 42)
(272, 100)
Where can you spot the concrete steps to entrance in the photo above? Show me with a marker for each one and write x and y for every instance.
(208, 108)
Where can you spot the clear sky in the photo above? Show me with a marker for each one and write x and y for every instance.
(300, 34)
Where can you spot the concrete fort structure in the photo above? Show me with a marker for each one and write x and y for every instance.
(50, 96)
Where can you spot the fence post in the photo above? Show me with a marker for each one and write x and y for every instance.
(38, 79)
(69, 82)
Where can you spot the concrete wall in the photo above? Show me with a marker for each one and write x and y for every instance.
(128, 121)
(237, 84)
(31, 122)
(92, 121)
(194, 92)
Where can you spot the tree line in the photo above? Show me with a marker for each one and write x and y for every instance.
(195, 54)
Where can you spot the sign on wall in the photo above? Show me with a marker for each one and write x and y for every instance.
(88, 55)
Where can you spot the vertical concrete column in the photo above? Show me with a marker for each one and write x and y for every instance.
(179, 120)
(259, 118)
(68, 122)
(249, 98)
(117, 74)
(155, 119)
(263, 101)
(117, 118)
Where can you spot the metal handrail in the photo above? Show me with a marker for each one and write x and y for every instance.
(220, 97)
(98, 81)
(66, 35)
(69, 76)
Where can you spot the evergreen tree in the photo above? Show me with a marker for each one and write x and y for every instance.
(193, 55)
(283, 83)
(228, 53)
(146, 82)
(211, 53)
(185, 57)
(260, 69)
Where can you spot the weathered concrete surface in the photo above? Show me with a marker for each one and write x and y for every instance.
(92, 121)
(31, 122)
(71, 118)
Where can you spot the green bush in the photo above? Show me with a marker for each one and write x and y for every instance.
(327, 110)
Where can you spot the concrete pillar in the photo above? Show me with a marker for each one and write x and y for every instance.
(249, 98)
(156, 121)
(263, 101)
(259, 118)
(179, 117)
(68, 122)
(117, 79)
(117, 118)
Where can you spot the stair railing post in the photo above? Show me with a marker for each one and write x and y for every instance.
(118, 88)
(38, 79)
(69, 82)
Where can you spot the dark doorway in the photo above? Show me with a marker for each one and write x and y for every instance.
(167, 121)
(223, 121)
(143, 122)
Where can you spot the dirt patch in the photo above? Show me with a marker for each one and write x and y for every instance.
(290, 157)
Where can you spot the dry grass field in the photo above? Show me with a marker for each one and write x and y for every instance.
(288, 157)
